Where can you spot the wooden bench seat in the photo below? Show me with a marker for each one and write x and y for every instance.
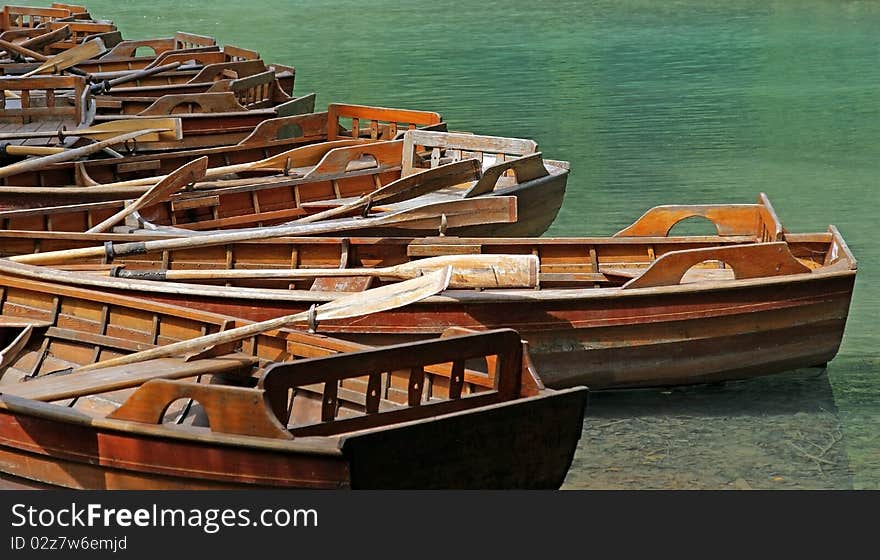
(56, 387)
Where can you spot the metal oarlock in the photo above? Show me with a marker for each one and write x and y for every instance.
(313, 318)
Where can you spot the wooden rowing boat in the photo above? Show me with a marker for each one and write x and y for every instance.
(276, 411)
(214, 118)
(198, 58)
(269, 138)
(317, 177)
(641, 308)
(132, 96)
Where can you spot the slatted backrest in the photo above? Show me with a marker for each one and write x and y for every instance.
(428, 149)
(39, 99)
(27, 17)
(377, 123)
(237, 54)
(189, 40)
(398, 373)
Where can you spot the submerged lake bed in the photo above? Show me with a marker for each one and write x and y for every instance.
(652, 103)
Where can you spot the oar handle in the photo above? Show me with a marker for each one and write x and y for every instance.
(14, 150)
(62, 256)
(18, 49)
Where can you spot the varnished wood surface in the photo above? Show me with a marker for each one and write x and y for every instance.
(93, 443)
(582, 325)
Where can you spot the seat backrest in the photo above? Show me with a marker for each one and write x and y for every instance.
(376, 123)
(446, 147)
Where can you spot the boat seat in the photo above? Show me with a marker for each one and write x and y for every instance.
(57, 387)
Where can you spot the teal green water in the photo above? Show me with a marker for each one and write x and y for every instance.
(651, 102)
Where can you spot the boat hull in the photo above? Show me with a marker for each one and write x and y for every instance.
(505, 445)
(644, 338)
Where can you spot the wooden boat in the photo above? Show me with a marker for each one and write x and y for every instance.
(269, 138)
(249, 92)
(185, 59)
(31, 22)
(132, 96)
(215, 118)
(26, 17)
(274, 412)
(641, 308)
(327, 175)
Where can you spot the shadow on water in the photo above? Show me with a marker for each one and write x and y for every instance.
(781, 431)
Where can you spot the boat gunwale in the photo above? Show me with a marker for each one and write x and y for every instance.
(494, 296)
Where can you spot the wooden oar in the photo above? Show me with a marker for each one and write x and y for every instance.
(23, 51)
(406, 188)
(358, 304)
(167, 128)
(456, 213)
(70, 57)
(105, 85)
(468, 271)
(184, 175)
(68, 155)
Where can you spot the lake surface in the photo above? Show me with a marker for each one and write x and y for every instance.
(652, 103)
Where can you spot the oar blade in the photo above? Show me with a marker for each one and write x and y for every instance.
(71, 57)
(169, 129)
(407, 188)
(428, 181)
(387, 297)
(479, 271)
(184, 175)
